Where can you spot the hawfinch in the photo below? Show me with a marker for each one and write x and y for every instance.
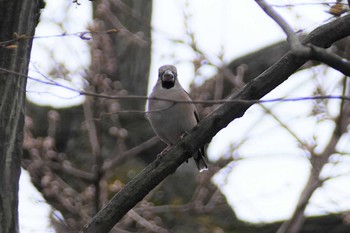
(171, 120)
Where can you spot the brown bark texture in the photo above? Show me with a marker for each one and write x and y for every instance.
(18, 18)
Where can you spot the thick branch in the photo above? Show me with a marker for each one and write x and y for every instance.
(158, 170)
(331, 59)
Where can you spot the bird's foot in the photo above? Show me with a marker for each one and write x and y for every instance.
(184, 134)
(161, 154)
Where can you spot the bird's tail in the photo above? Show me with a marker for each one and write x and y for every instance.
(200, 161)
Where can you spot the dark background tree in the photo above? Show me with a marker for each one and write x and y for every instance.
(79, 157)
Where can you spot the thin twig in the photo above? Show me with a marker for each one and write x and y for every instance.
(68, 169)
(318, 161)
(95, 151)
(130, 153)
(145, 223)
(306, 4)
(82, 35)
(213, 102)
(284, 126)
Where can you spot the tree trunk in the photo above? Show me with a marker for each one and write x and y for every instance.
(17, 18)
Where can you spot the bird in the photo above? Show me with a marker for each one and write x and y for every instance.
(172, 120)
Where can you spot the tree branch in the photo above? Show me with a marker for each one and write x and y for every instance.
(318, 161)
(294, 42)
(330, 59)
(109, 164)
(295, 223)
(159, 169)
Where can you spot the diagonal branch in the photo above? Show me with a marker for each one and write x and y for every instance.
(109, 164)
(159, 169)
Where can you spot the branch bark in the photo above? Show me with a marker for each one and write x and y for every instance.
(331, 59)
(159, 169)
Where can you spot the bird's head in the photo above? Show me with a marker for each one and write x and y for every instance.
(168, 76)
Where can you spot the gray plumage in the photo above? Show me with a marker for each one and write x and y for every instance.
(171, 120)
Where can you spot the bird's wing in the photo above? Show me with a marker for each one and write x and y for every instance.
(196, 115)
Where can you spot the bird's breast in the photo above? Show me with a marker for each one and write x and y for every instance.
(170, 122)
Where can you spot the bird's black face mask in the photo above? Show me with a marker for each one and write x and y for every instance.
(168, 79)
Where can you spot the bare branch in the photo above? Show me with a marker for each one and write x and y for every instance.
(299, 49)
(68, 169)
(296, 46)
(147, 224)
(294, 224)
(331, 59)
(318, 161)
(104, 10)
(212, 102)
(284, 126)
(158, 170)
(129, 153)
(82, 35)
(95, 149)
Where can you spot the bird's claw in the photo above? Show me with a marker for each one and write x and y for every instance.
(161, 154)
(184, 134)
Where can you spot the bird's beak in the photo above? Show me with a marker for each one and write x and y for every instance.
(168, 76)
